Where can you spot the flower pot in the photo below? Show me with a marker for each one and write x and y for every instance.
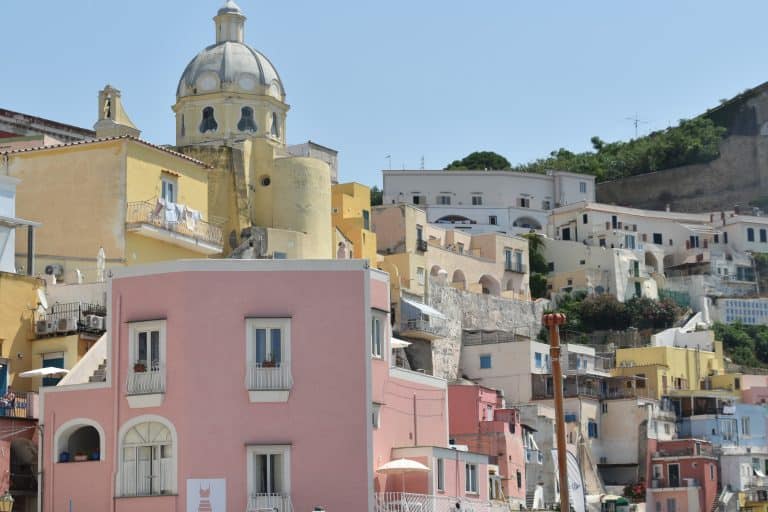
(139, 367)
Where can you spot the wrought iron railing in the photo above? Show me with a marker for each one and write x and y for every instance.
(148, 212)
(147, 382)
(511, 266)
(269, 376)
(24, 405)
(266, 502)
(69, 317)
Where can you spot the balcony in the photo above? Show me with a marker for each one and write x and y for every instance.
(269, 503)
(146, 387)
(268, 381)
(407, 502)
(24, 406)
(71, 318)
(510, 266)
(418, 328)
(149, 219)
(421, 245)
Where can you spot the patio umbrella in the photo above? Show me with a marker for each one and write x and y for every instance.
(43, 372)
(398, 343)
(402, 466)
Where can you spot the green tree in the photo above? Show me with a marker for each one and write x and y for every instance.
(537, 265)
(377, 196)
(480, 160)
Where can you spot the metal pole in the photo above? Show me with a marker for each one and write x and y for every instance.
(30, 250)
(415, 424)
(552, 321)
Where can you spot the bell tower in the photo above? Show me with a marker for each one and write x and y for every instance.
(112, 118)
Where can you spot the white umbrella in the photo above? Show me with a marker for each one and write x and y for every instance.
(398, 343)
(101, 265)
(403, 466)
(43, 372)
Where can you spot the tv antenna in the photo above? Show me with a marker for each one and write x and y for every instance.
(637, 122)
(389, 159)
(422, 162)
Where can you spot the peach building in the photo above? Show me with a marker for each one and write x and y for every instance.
(237, 399)
(684, 476)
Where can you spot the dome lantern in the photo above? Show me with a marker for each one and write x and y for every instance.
(230, 23)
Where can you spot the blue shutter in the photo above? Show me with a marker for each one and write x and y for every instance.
(276, 346)
(261, 345)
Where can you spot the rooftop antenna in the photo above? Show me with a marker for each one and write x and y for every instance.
(389, 158)
(422, 162)
(636, 121)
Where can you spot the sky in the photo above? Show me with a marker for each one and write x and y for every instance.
(410, 79)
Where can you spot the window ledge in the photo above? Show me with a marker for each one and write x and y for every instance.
(133, 496)
(268, 396)
(148, 400)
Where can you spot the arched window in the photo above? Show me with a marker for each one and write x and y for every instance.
(247, 123)
(208, 123)
(147, 460)
(275, 125)
(183, 128)
(77, 440)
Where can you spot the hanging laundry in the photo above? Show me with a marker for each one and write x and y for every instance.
(171, 215)
(158, 208)
(192, 218)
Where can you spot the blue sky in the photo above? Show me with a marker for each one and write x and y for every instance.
(404, 78)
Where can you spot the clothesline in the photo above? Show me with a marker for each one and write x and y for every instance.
(175, 213)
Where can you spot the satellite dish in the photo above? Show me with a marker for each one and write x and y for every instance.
(42, 299)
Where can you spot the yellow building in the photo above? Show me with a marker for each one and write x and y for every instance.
(351, 214)
(670, 370)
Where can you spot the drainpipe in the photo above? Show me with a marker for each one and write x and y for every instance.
(30, 250)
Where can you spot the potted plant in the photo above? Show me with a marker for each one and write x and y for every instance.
(81, 457)
(64, 457)
(94, 456)
(269, 363)
(139, 367)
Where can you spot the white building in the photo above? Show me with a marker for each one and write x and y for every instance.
(482, 201)
(9, 223)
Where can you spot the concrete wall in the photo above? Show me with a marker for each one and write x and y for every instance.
(738, 176)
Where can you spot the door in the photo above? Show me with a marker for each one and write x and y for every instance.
(674, 475)
(4, 378)
(56, 362)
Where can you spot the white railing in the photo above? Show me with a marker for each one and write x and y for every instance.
(146, 383)
(269, 503)
(268, 376)
(409, 502)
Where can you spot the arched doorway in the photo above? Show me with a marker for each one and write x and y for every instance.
(459, 280)
(651, 261)
(490, 285)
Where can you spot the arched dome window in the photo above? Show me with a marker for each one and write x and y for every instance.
(246, 123)
(209, 123)
(275, 125)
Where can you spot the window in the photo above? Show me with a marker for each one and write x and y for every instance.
(485, 362)
(146, 373)
(693, 241)
(269, 469)
(377, 336)
(658, 471)
(416, 199)
(565, 233)
(376, 415)
(658, 238)
(275, 129)
(584, 218)
(763, 237)
(470, 471)
(278, 255)
(712, 472)
(444, 200)
(246, 123)
(658, 506)
(492, 220)
(366, 220)
(614, 222)
(671, 505)
(745, 427)
(477, 200)
(537, 359)
(592, 429)
(667, 428)
(460, 247)
(168, 189)
(602, 242)
(725, 238)
(420, 275)
(440, 474)
(717, 238)
(519, 479)
(268, 359)
(546, 204)
(604, 407)
(524, 202)
(629, 241)
(148, 460)
(208, 124)
(750, 235)
(419, 233)
(583, 187)
(52, 359)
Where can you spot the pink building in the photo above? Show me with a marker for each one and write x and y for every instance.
(683, 476)
(249, 385)
(479, 420)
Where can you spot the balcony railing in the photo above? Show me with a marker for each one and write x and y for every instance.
(409, 502)
(269, 503)
(421, 245)
(147, 212)
(418, 328)
(269, 376)
(23, 406)
(71, 317)
(511, 266)
(147, 382)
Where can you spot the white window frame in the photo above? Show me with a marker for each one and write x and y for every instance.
(582, 187)
(376, 415)
(378, 334)
(470, 478)
(443, 200)
(169, 186)
(658, 472)
(274, 449)
(421, 274)
(477, 200)
(267, 394)
(745, 426)
(137, 399)
(130, 424)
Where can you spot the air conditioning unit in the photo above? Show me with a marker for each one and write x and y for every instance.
(95, 322)
(43, 327)
(66, 324)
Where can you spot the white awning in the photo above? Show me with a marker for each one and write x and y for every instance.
(427, 310)
(398, 343)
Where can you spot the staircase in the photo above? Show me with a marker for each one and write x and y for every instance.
(529, 499)
(100, 375)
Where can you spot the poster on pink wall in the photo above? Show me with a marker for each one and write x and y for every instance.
(206, 495)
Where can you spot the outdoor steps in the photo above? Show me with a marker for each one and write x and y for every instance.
(100, 375)
(529, 499)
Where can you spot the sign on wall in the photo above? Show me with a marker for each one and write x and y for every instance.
(206, 495)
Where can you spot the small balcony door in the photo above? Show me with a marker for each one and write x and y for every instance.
(674, 475)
